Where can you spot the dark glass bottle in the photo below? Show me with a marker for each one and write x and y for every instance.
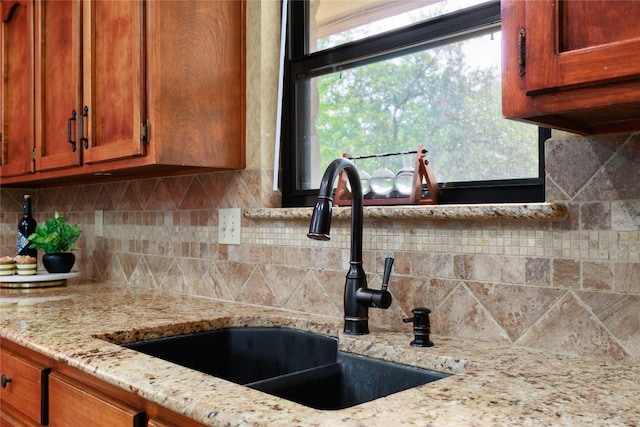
(26, 227)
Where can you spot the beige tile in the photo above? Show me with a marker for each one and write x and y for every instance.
(488, 268)
(625, 215)
(283, 280)
(570, 328)
(620, 313)
(311, 297)
(515, 308)
(410, 292)
(566, 273)
(235, 275)
(538, 271)
(595, 216)
(513, 270)
(257, 291)
(128, 263)
(332, 281)
(141, 276)
(626, 277)
(462, 315)
(571, 162)
(464, 267)
(618, 178)
(597, 275)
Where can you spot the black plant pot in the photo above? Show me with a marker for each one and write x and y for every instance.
(59, 263)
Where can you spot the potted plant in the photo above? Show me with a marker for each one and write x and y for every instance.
(56, 239)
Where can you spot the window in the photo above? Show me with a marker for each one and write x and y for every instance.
(383, 76)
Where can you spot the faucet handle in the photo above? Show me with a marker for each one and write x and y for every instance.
(378, 298)
(388, 264)
(383, 298)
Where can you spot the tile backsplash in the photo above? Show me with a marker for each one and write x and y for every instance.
(570, 286)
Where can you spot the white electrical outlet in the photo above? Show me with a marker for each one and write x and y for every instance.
(99, 223)
(229, 226)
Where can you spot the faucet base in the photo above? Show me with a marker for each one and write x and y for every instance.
(356, 326)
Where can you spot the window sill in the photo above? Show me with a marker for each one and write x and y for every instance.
(506, 211)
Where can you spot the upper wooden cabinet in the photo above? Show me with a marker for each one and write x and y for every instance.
(572, 64)
(134, 88)
(58, 84)
(113, 111)
(17, 88)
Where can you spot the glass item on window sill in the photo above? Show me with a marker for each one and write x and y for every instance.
(403, 181)
(364, 177)
(382, 181)
(365, 181)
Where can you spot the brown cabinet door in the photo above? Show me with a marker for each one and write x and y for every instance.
(581, 42)
(24, 386)
(113, 79)
(72, 404)
(17, 87)
(572, 64)
(58, 84)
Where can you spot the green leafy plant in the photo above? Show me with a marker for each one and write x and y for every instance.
(55, 236)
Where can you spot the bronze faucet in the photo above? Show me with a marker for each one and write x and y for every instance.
(357, 296)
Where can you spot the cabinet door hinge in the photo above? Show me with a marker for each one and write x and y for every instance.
(144, 131)
(33, 154)
(522, 51)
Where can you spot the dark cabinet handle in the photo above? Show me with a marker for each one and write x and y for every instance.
(8, 10)
(522, 52)
(69, 140)
(83, 139)
(4, 380)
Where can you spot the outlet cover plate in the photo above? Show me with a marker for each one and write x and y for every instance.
(99, 223)
(229, 226)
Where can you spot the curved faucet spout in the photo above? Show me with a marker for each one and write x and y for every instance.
(320, 226)
(357, 296)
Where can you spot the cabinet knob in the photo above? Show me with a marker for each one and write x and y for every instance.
(4, 380)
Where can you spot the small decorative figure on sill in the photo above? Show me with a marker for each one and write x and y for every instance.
(421, 327)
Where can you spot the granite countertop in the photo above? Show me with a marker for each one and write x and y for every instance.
(490, 385)
(492, 211)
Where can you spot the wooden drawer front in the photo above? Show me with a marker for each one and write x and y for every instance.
(156, 422)
(73, 404)
(25, 385)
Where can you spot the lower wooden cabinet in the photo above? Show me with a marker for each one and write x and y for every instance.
(23, 391)
(156, 422)
(76, 405)
(37, 391)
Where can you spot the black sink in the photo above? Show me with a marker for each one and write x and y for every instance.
(350, 381)
(300, 366)
(244, 355)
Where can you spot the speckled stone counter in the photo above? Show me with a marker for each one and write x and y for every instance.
(491, 385)
(494, 211)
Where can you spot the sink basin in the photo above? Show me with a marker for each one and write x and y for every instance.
(300, 366)
(350, 381)
(244, 355)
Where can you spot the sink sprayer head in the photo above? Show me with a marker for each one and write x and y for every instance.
(320, 226)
